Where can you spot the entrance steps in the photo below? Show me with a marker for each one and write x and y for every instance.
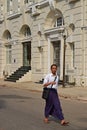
(26, 77)
(23, 71)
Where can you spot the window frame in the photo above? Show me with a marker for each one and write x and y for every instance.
(8, 54)
(59, 22)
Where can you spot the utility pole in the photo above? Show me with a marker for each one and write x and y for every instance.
(64, 37)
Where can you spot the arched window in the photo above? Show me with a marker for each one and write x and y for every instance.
(59, 22)
(27, 31)
(7, 37)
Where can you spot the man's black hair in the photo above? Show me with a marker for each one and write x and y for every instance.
(53, 65)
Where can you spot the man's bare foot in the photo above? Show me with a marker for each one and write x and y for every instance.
(63, 122)
(46, 120)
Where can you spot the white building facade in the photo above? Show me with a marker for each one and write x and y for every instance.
(32, 34)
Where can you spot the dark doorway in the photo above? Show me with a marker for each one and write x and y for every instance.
(56, 54)
(27, 54)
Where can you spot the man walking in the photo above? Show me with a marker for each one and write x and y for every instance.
(53, 106)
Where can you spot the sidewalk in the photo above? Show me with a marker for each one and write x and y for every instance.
(72, 92)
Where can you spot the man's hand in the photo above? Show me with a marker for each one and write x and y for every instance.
(50, 83)
(53, 83)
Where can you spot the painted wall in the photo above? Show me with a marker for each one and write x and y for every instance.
(75, 13)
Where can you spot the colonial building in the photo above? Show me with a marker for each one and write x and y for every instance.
(36, 33)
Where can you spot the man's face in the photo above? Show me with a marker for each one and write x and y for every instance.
(54, 69)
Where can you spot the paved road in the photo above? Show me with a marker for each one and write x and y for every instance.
(23, 110)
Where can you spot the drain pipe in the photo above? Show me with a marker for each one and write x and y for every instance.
(48, 54)
(83, 43)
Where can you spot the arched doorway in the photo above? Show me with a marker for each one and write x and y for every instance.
(25, 33)
(54, 28)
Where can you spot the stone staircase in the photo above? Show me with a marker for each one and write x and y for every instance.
(19, 73)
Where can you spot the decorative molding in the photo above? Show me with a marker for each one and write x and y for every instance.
(25, 39)
(70, 39)
(34, 8)
(84, 27)
(1, 42)
(43, 3)
(35, 11)
(39, 29)
(1, 19)
(10, 42)
(28, 7)
(52, 30)
(52, 4)
(13, 15)
(54, 34)
(72, 1)
(39, 43)
(37, 5)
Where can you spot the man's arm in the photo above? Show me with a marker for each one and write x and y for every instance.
(49, 83)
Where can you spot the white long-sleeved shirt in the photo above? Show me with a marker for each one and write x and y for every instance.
(50, 78)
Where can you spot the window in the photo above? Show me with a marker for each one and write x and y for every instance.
(29, 1)
(1, 11)
(59, 22)
(25, 1)
(8, 37)
(1, 7)
(19, 8)
(72, 54)
(8, 54)
(9, 3)
(27, 32)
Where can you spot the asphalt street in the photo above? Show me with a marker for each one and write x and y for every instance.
(24, 110)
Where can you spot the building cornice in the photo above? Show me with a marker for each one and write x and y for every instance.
(13, 15)
(34, 8)
(25, 39)
(43, 3)
(59, 29)
(72, 1)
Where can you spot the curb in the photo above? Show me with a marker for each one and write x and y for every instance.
(73, 97)
(82, 98)
(39, 89)
(68, 96)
